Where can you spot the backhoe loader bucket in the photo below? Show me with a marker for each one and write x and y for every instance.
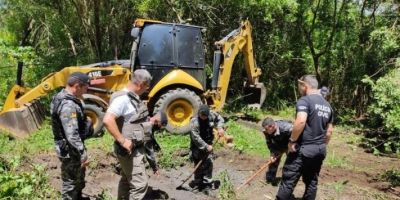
(20, 122)
(254, 95)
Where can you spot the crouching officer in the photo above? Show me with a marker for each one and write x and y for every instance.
(277, 135)
(202, 136)
(127, 121)
(70, 128)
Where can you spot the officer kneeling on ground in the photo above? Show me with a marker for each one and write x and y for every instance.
(70, 129)
(277, 135)
(202, 137)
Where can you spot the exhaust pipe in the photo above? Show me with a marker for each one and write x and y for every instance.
(19, 73)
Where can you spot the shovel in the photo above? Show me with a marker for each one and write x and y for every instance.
(195, 168)
(262, 168)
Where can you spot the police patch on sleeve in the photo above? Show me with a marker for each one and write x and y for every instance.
(73, 115)
(302, 106)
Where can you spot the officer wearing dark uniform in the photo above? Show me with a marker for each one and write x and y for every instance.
(202, 137)
(311, 133)
(70, 129)
(277, 135)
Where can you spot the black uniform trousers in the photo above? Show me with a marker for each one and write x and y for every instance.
(305, 164)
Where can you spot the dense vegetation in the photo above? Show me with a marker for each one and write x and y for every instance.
(342, 42)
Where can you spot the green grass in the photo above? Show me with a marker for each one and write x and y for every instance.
(39, 141)
(104, 143)
(171, 146)
(29, 183)
(226, 189)
(392, 176)
(334, 160)
(248, 140)
(338, 186)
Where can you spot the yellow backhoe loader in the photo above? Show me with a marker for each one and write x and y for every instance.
(172, 53)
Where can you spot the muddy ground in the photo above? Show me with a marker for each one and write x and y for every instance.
(359, 180)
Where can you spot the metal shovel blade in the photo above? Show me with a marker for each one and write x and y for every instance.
(255, 95)
(20, 122)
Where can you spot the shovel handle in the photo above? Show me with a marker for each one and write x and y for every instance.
(197, 165)
(254, 175)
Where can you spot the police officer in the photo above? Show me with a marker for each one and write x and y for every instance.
(127, 121)
(202, 136)
(311, 133)
(277, 135)
(324, 91)
(70, 128)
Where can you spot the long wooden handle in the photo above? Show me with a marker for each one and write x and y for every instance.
(254, 175)
(198, 164)
(194, 170)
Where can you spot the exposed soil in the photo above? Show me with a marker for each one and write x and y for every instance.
(362, 181)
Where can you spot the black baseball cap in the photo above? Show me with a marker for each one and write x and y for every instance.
(204, 110)
(83, 78)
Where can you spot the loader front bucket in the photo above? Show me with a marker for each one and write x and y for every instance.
(254, 95)
(20, 122)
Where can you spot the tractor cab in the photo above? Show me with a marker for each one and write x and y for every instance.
(163, 47)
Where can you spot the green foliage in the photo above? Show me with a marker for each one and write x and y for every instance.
(41, 140)
(284, 110)
(24, 185)
(226, 189)
(104, 195)
(171, 147)
(339, 187)
(385, 109)
(334, 160)
(386, 95)
(392, 176)
(104, 143)
(247, 140)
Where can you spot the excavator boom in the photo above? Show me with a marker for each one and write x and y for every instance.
(239, 40)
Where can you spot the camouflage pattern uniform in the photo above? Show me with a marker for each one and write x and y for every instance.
(70, 128)
(134, 181)
(277, 144)
(201, 136)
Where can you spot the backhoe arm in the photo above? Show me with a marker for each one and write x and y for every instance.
(19, 96)
(239, 40)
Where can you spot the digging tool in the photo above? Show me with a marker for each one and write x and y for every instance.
(196, 167)
(256, 173)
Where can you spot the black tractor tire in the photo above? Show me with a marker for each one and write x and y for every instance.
(180, 105)
(95, 114)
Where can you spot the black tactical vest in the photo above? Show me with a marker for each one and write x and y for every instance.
(206, 131)
(58, 130)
